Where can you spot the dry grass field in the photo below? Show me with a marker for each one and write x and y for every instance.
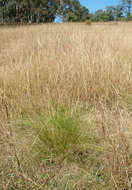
(66, 107)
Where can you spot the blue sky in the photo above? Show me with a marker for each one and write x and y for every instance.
(93, 5)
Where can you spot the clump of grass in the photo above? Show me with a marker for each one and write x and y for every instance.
(125, 99)
(60, 134)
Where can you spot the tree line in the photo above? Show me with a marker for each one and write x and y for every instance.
(38, 11)
(121, 12)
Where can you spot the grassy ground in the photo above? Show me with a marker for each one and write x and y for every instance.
(66, 107)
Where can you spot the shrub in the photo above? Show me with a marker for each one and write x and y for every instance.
(89, 22)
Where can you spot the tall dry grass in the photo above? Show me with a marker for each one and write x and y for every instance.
(74, 67)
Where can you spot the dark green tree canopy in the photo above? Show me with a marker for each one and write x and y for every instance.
(32, 11)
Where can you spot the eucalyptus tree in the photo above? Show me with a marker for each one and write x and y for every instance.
(127, 7)
(110, 11)
(119, 12)
(100, 15)
(72, 10)
(3, 10)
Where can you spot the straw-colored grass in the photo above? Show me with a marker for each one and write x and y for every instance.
(65, 107)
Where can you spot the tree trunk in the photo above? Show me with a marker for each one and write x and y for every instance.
(38, 18)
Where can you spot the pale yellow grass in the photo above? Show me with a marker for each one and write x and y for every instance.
(77, 67)
(64, 64)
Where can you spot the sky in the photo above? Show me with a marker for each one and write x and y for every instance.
(94, 5)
